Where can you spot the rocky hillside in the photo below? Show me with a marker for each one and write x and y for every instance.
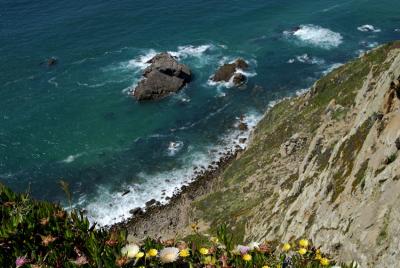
(324, 165)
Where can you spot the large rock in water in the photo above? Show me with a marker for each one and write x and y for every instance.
(163, 77)
(229, 70)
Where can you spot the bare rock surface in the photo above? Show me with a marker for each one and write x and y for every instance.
(162, 77)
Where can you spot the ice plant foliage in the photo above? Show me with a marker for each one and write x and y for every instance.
(40, 234)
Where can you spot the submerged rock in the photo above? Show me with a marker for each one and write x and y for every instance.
(230, 70)
(163, 77)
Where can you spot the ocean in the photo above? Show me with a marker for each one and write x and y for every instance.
(76, 121)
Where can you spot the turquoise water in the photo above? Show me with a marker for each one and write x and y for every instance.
(76, 121)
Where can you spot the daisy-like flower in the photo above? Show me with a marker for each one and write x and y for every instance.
(47, 239)
(184, 253)
(130, 250)
(303, 243)
(169, 254)
(286, 247)
(242, 249)
(302, 251)
(246, 257)
(203, 251)
(254, 245)
(21, 261)
(152, 252)
(324, 262)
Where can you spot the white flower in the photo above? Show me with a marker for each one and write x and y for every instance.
(130, 250)
(242, 249)
(254, 245)
(169, 254)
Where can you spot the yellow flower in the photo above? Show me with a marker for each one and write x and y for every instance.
(203, 251)
(286, 247)
(318, 256)
(302, 251)
(184, 253)
(265, 266)
(324, 262)
(303, 243)
(246, 257)
(139, 255)
(152, 252)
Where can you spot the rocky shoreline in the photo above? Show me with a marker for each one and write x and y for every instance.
(144, 221)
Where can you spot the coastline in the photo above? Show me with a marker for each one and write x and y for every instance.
(153, 219)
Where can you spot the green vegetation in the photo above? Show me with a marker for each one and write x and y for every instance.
(290, 116)
(40, 234)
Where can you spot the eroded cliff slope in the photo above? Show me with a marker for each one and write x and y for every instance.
(324, 165)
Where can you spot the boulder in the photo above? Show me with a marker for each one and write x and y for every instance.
(136, 211)
(151, 203)
(243, 126)
(229, 70)
(162, 77)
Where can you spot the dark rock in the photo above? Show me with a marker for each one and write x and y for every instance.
(163, 77)
(126, 192)
(52, 61)
(239, 79)
(136, 211)
(242, 140)
(243, 126)
(151, 202)
(229, 70)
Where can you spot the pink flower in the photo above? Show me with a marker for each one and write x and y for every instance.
(21, 261)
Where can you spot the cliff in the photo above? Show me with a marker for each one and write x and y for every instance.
(323, 165)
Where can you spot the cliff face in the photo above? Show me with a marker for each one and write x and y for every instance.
(324, 165)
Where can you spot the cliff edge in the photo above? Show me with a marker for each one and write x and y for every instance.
(324, 165)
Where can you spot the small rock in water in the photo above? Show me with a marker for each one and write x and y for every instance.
(52, 61)
(230, 70)
(242, 140)
(126, 192)
(243, 126)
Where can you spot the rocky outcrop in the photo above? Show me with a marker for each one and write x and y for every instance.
(229, 72)
(162, 77)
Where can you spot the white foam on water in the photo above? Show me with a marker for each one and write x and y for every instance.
(368, 28)
(111, 207)
(332, 67)
(396, 30)
(174, 147)
(305, 58)
(52, 81)
(190, 51)
(71, 158)
(141, 62)
(317, 36)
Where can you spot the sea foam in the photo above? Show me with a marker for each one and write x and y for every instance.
(368, 28)
(110, 207)
(317, 36)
